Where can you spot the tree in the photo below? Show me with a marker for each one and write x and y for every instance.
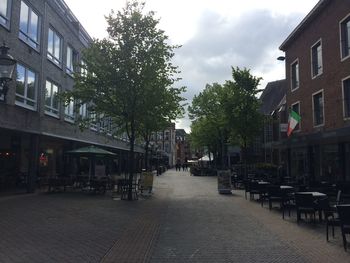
(210, 126)
(129, 76)
(241, 107)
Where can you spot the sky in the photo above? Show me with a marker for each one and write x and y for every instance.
(214, 35)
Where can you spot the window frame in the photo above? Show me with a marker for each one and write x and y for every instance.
(49, 109)
(70, 70)
(6, 17)
(342, 39)
(320, 69)
(69, 111)
(315, 125)
(295, 62)
(25, 36)
(345, 117)
(25, 97)
(299, 124)
(51, 57)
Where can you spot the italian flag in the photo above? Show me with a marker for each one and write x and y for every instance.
(294, 119)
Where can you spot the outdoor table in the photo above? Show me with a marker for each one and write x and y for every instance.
(263, 182)
(286, 187)
(316, 196)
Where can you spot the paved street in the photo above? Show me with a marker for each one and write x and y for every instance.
(185, 220)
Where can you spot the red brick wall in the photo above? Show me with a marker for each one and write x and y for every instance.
(325, 27)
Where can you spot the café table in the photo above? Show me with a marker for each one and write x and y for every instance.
(316, 196)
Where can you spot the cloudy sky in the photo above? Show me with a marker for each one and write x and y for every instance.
(214, 34)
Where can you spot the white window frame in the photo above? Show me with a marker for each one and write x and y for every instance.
(70, 63)
(320, 68)
(313, 109)
(49, 109)
(69, 114)
(343, 94)
(295, 62)
(83, 112)
(51, 56)
(291, 106)
(341, 36)
(25, 36)
(24, 97)
(6, 18)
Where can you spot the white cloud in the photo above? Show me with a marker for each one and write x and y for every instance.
(215, 35)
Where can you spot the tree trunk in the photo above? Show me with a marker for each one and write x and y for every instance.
(146, 155)
(131, 164)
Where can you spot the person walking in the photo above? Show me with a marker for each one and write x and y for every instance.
(178, 165)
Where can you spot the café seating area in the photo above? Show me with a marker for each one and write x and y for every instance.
(322, 203)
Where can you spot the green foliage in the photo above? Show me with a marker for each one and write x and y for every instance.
(129, 76)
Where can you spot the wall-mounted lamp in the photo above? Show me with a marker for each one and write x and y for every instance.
(7, 67)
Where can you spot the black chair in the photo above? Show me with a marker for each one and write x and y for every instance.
(274, 194)
(344, 216)
(329, 214)
(246, 188)
(254, 189)
(304, 203)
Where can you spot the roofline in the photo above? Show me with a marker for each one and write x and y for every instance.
(317, 8)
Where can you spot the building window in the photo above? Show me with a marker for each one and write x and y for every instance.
(345, 37)
(318, 108)
(71, 58)
(295, 75)
(346, 94)
(296, 107)
(51, 99)
(54, 47)
(26, 86)
(316, 59)
(29, 26)
(83, 113)
(5, 7)
(69, 111)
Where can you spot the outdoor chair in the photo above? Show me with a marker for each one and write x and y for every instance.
(246, 188)
(305, 204)
(344, 216)
(329, 214)
(254, 189)
(288, 202)
(274, 194)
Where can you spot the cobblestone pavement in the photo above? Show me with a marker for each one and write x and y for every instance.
(185, 220)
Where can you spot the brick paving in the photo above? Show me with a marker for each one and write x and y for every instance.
(185, 220)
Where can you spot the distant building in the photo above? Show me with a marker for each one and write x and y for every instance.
(183, 148)
(317, 59)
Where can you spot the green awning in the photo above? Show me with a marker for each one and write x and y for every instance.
(90, 150)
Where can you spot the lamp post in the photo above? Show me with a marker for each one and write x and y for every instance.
(7, 66)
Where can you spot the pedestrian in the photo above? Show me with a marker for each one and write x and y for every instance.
(178, 165)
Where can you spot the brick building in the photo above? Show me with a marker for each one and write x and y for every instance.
(317, 61)
(183, 149)
(36, 129)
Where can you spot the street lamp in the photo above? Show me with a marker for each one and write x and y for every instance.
(7, 66)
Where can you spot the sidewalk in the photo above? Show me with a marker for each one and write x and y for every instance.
(185, 220)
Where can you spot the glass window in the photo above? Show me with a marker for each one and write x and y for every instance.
(71, 57)
(51, 99)
(83, 111)
(54, 47)
(5, 13)
(295, 75)
(318, 108)
(69, 111)
(346, 92)
(29, 26)
(296, 108)
(345, 37)
(26, 86)
(317, 59)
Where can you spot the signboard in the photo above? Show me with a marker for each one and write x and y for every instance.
(224, 182)
(283, 127)
(147, 181)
